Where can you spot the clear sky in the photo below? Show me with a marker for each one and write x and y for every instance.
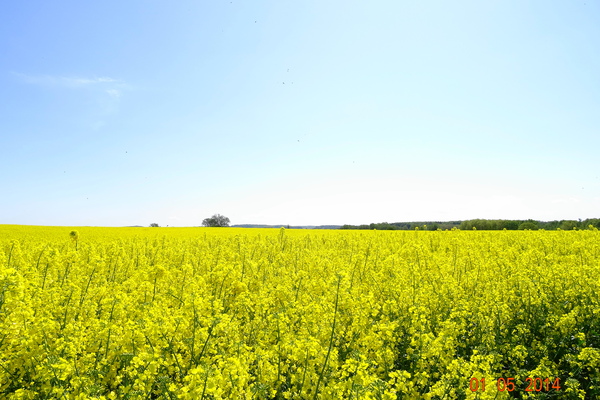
(116, 113)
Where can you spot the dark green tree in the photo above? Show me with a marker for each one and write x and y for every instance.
(568, 225)
(532, 225)
(216, 220)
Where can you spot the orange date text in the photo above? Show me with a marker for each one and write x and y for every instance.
(509, 384)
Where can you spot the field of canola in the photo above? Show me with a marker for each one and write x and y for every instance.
(226, 313)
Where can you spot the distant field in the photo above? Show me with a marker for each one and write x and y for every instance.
(233, 313)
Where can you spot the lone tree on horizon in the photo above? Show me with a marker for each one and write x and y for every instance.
(216, 220)
(154, 225)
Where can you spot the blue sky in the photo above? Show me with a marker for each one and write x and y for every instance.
(120, 113)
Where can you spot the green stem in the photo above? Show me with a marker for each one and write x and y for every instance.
(337, 295)
(10, 254)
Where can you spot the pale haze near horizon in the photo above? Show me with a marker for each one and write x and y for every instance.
(302, 113)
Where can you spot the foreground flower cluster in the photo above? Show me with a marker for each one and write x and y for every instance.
(201, 313)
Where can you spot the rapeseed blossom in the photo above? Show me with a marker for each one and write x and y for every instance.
(297, 314)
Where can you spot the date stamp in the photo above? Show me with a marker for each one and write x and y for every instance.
(509, 385)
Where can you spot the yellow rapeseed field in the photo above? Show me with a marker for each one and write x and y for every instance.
(227, 313)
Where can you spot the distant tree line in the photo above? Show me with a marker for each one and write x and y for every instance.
(483, 224)
(500, 224)
(394, 226)
(287, 226)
